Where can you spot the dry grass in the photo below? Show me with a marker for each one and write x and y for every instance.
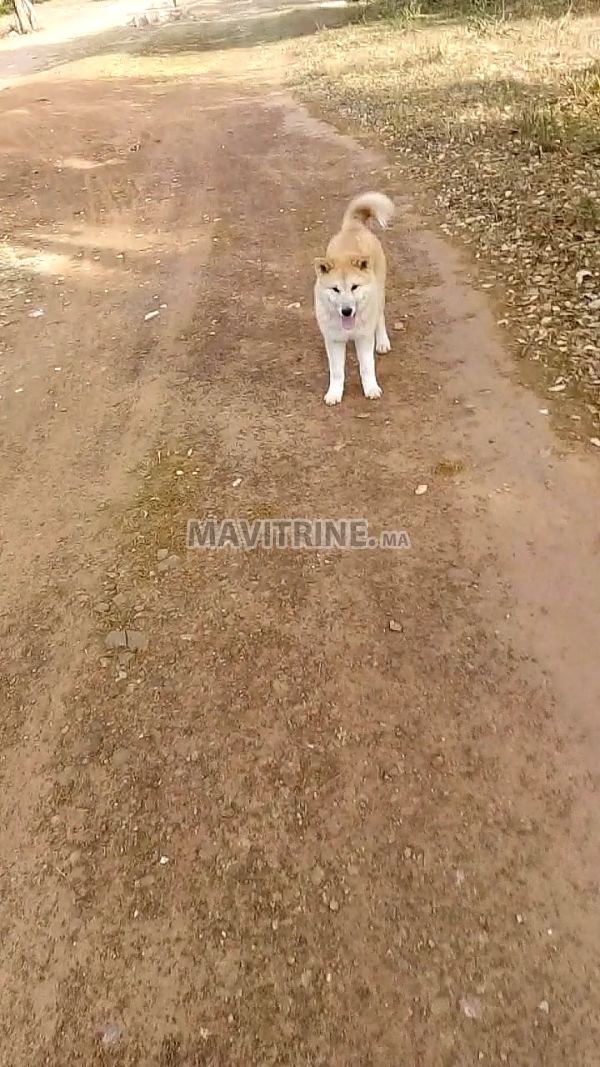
(496, 123)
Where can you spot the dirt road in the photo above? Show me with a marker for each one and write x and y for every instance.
(272, 830)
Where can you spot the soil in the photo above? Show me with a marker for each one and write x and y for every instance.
(275, 829)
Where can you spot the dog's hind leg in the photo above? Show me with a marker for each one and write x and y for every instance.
(365, 350)
(382, 341)
(336, 354)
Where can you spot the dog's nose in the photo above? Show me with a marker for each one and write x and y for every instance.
(347, 312)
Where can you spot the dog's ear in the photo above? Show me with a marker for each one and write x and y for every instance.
(322, 266)
(361, 264)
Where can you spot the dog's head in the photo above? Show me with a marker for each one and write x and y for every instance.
(347, 284)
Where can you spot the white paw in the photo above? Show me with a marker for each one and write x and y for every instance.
(383, 345)
(372, 391)
(333, 396)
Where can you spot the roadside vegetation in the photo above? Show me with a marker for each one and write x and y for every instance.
(493, 115)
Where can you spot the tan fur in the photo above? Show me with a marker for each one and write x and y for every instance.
(350, 294)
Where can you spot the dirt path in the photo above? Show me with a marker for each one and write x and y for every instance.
(282, 833)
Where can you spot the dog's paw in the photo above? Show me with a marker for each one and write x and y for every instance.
(383, 345)
(372, 392)
(333, 396)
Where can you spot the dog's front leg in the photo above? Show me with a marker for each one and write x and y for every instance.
(336, 354)
(365, 350)
(382, 341)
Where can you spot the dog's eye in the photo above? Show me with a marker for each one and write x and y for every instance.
(336, 288)
(353, 288)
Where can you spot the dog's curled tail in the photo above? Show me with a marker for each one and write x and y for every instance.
(368, 206)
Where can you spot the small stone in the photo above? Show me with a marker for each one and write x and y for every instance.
(116, 639)
(471, 1007)
(317, 875)
(333, 905)
(396, 627)
(93, 743)
(438, 1006)
(544, 1007)
(136, 640)
(109, 1035)
(74, 858)
(420, 490)
(169, 563)
(162, 554)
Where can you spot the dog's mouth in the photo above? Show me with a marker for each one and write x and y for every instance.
(348, 321)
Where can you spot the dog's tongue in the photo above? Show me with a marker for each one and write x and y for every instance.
(347, 322)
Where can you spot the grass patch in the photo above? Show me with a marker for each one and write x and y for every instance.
(494, 119)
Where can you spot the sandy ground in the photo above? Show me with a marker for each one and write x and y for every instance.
(274, 830)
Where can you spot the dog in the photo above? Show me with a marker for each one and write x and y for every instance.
(350, 294)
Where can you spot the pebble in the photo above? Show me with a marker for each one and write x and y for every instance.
(439, 1006)
(317, 875)
(126, 640)
(136, 640)
(93, 742)
(471, 1007)
(162, 554)
(109, 1035)
(169, 563)
(116, 639)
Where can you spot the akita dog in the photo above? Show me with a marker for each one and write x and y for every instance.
(350, 294)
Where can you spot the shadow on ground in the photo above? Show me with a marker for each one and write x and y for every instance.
(198, 31)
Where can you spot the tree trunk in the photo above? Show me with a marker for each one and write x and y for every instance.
(26, 18)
